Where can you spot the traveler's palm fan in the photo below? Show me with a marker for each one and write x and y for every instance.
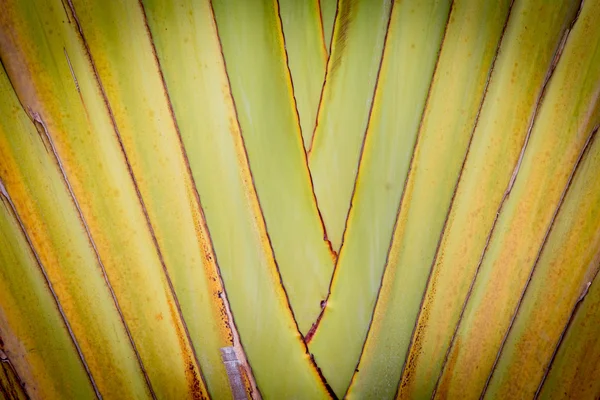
(310, 199)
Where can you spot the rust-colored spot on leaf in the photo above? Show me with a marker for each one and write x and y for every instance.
(191, 374)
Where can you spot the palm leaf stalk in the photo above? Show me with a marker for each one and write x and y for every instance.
(311, 199)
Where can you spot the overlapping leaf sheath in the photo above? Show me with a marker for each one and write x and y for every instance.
(347, 97)
(185, 36)
(142, 116)
(307, 58)
(67, 259)
(399, 101)
(328, 13)
(253, 48)
(52, 74)
(567, 116)
(575, 369)
(524, 62)
(568, 263)
(32, 330)
(466, 56)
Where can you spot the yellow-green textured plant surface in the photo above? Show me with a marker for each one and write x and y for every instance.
(299, 199)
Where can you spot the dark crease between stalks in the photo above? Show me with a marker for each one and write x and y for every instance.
(13, 210)
(223, 298)
(171, 289)
(261, 218)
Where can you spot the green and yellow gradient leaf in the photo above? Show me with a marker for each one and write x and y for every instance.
(352, 70)
(307, 58)
(568, 114)
(33, 334)
(56, 83)
(46, 210)
(402, 89)
(328, 12)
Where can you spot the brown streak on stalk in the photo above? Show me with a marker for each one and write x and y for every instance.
(568, 325)
(328, 52)
(315, 325)
(321, 28)
(555, 58)
(538, 103)
(5, 360)
(287, 66)
(62, 2)
(13, 210)
(72, 71)
(3, 391)
(13, 391)
(228, 320)
(261, 217)
(332, 252)
(190, 359)
(327, 67)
